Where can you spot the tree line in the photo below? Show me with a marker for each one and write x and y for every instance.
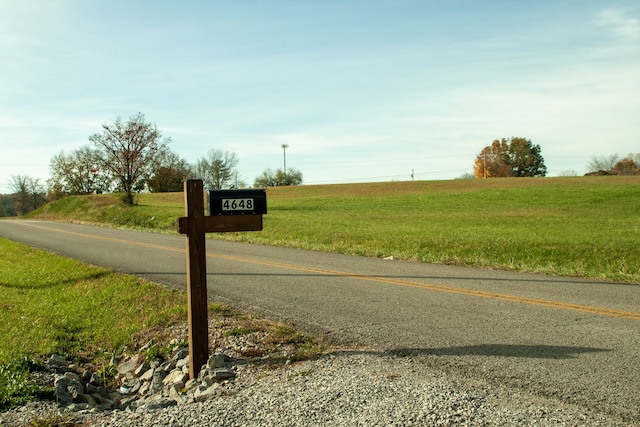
(519, 157)
(133, 156)
(130, 156)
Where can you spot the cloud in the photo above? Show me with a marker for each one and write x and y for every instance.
(619, 23)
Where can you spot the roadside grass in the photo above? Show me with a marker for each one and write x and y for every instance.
(574, 226)
(54, 305)
(152, 212)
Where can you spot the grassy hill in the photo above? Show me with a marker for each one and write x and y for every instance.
(578, 226)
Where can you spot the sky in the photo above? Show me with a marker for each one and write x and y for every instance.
(360, 91)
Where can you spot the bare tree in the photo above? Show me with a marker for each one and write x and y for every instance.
(217, 169)
(81, 172)
(603, 163)
(129, 150)
(28, 192)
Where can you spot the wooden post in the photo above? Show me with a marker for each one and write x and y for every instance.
(196, 277)
(195, 225)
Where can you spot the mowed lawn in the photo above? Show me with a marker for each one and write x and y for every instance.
(577, 226)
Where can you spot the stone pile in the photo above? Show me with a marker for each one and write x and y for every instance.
(142, 383)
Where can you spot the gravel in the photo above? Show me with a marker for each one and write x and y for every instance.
(357, 388)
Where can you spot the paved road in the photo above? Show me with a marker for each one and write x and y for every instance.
(574, 340)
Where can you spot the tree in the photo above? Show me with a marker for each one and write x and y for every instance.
(490, 162)
(269, 178)
(602, 163)
(7, 205)
(129, 150)
(168, 173)
(513, 157)
(29, 193)
(626, 166)
(80, 172)
(217, 169)
(614, 165)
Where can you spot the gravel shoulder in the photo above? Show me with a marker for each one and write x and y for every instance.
(344, 388)
(347, 388)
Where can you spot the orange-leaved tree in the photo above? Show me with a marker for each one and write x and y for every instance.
(512, 157)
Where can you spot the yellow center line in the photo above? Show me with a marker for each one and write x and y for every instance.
(400, 282)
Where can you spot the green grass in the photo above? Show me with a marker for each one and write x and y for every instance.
(578, 226)
(50, 304)
(54, 305)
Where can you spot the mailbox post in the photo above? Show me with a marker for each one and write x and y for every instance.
(229, 210)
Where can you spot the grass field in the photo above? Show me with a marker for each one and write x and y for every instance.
(578, 226)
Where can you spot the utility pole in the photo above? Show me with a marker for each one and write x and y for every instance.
(484, 163)
(284, 151)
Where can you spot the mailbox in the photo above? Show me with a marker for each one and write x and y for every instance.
(238, 202)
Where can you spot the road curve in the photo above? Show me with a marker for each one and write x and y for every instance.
(574, 340)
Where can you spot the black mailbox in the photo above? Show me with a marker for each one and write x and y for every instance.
(238, 202)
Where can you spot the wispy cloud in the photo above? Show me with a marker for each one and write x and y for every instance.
(620, 23)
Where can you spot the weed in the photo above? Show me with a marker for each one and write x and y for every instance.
(241, 330)
(222, 310)
(108, 375)
(158, 352)
(302, 373)
(54, 419)
(16, 385)
(307, 351)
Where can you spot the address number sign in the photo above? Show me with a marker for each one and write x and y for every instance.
(238, 202)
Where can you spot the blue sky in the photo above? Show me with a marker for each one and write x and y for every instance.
(359, 90)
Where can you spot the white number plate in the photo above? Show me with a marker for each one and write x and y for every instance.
(237, 204)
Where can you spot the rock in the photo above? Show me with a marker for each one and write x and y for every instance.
(209, 376)
(176, 376)
(180, 354)
(143, 367)
(142, 385)
(157, 404)
(59, 361)
(203, 393)
(216, 361)
(148, 345)
(147, 376)
(182, 363)
(63, 396)
(95, 380)
(156, 381)
(130, 365)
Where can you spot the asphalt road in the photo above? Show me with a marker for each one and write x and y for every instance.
(573, 340)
